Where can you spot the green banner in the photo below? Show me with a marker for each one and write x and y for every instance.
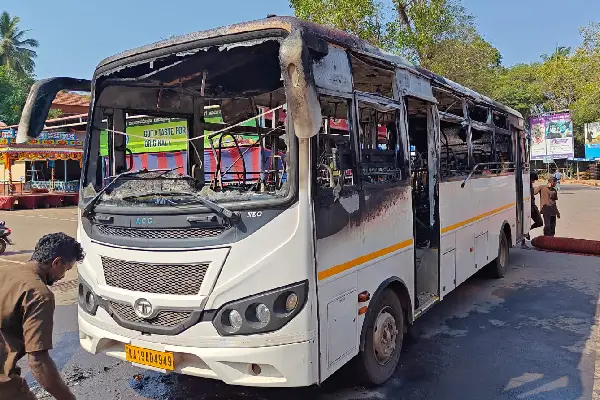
(155, 135)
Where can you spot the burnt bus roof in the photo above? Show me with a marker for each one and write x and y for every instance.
(289, 24)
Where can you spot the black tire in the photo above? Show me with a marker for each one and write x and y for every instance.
(369, 369)
(499, 265)
(2, 246)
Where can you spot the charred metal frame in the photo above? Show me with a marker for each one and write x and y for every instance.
(293, 52)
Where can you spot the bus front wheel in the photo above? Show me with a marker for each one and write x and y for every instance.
(379, 357)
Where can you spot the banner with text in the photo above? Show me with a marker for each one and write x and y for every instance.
(552, 135)
(592, 140)
(157, 135)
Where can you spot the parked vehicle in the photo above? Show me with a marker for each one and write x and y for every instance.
(303, 231)
(4, 237)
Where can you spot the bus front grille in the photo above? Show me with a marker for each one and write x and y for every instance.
(165, 318)
(179, 279)
(160, 234)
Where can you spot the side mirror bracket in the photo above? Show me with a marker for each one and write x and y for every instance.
(39, 101)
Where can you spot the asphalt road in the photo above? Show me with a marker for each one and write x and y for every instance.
(531, 335)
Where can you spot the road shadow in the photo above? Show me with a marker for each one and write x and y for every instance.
(529, 346)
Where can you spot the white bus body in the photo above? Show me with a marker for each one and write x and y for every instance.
(331, 265)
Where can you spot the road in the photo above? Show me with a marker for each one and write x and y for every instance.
(532, 335)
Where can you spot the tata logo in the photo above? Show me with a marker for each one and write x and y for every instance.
(142, 308)
(144, 221)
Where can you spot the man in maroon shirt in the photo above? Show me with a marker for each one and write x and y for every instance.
(535, 212)
(27, 317)
(548, 207)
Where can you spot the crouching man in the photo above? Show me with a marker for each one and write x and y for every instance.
(27, 317)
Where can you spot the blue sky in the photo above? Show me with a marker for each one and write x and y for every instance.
(75, 35)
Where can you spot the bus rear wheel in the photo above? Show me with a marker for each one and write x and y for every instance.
(499, 265)
(384, 335)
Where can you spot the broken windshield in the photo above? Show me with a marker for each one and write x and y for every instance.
(210, 122)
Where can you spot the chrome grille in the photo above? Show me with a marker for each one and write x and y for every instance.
(188, 233)
(181, 279)
(163, 318)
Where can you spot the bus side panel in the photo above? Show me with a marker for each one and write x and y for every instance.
(502, 195)
(456, 206)
(375, 244)
(475, 214)
(465, 253)
(447, 263)
(496, 204)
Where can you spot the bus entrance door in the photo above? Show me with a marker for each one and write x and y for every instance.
(423, 129)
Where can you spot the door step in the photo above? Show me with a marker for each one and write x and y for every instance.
(426, 301)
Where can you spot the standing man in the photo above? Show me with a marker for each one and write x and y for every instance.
(27, 317)
(549, 210)
(558, 176)
(535, 212)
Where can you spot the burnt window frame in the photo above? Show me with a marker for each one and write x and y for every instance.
(321, 193)
(381, 71)
(492, 153)
(448, 101)
(402, 153)
(91, 142)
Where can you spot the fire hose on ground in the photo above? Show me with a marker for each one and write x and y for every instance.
(567, 245)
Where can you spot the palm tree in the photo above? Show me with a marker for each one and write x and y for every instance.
(16, 51)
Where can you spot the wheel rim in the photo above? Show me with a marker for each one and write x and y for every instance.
(385, 334)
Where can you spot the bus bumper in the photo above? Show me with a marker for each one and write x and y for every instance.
(290, 365)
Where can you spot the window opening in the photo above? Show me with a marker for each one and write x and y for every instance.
(505, 153)
(379, 142)
(500, 120)
(448, 103)
(205, 125)
(454, 151)
(483, 151)
(372, 76)
(477, 113)
(335, 161)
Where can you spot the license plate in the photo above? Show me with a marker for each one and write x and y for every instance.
(152, 358)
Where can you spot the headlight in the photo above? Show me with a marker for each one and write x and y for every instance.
(88, 300)
(262, 313)
(234, 321)
(265, 312)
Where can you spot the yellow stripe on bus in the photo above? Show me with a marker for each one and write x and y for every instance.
(477, 218)
(363, 259)
(398, 246)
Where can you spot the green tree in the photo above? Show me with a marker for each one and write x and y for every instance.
(13, 93)
(565, 80)
(586, 105)
(520, 87)
(437, 34)
(54, 113)
(470, 61)
(16, 51)
(361, 18)
(421, 26)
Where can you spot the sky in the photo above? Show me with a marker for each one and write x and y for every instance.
(76, 35)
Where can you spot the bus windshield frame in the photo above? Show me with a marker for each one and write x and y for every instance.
(253, 122)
